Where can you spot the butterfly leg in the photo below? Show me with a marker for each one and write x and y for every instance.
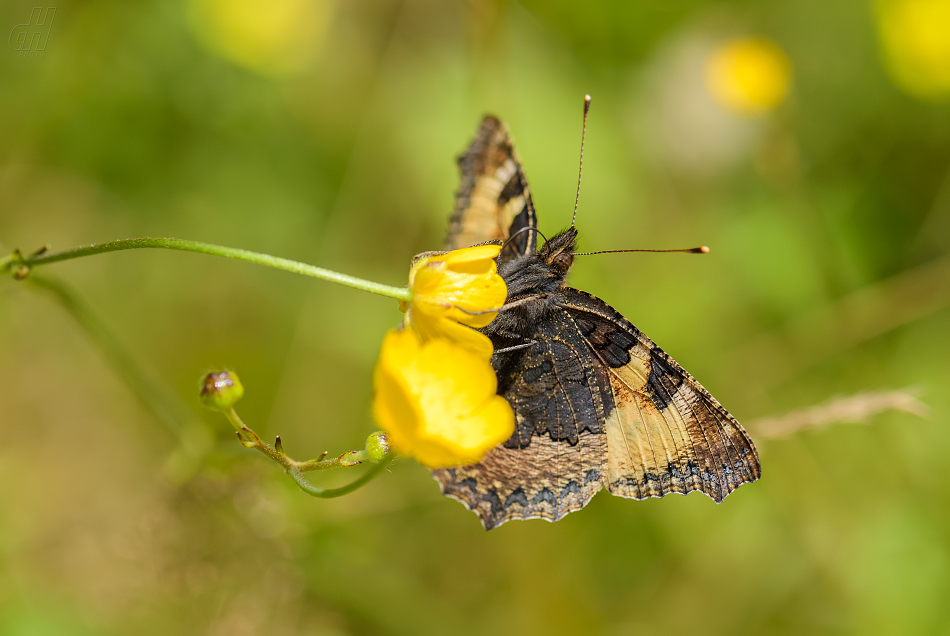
(514, 348)
(516, 303)
(507, 335)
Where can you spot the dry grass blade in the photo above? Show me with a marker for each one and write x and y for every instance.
(855, 409)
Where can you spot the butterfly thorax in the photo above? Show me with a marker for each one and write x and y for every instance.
(535, 279)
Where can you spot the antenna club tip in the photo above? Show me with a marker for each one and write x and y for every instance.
(587, 99)
(702, 250)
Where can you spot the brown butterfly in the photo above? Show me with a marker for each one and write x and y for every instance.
(597, 404)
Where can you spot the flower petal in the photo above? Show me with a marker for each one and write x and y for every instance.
(429, 328)
(481, 253)
(456, 288)
(437, 400)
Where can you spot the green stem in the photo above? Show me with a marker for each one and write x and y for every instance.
(331, 493)
(295, 469)
(160, 403)
(192, 433)
(399, 293)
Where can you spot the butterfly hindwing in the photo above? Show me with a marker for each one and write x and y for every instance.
(555, 460)
(493, 201)
(545, 481)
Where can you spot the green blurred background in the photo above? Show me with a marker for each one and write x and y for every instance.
(812, 158)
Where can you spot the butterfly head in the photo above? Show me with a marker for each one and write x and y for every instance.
(558, 253)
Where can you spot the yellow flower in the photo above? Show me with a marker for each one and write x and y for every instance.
(274, 38)
(437, 401)
(749, 75)
(446, 286)
(915, 36)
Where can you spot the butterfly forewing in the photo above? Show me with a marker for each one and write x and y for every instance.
(493, 201)
(666, 433)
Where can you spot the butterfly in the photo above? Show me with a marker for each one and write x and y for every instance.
(597, 404)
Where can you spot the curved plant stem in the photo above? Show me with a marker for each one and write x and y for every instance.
(21, 267)
(161, 403)
(44, 258)
(295, 469)
(331, 493)
(194, 438)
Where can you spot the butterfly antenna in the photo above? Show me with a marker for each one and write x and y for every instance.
(688, 250)
(580, 168)
(522, 231)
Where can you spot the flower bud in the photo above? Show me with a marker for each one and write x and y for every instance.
(377, 446)
(221, 390)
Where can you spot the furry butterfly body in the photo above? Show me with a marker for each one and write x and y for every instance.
(597, 404)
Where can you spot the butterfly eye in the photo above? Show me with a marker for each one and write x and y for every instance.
(563, 261)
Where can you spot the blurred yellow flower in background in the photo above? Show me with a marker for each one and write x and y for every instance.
(915, 37)
(446, 286)
(277, 37)
(437, 400)
(748, 75)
